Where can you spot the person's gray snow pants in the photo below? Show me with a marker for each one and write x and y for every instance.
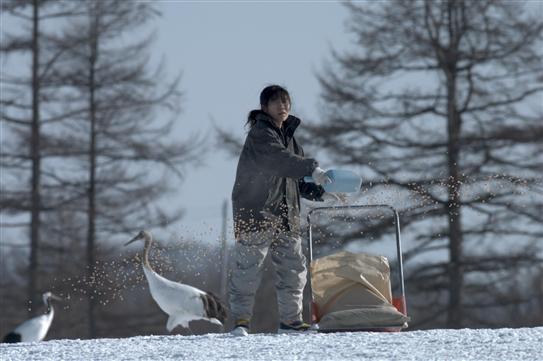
(290, 267)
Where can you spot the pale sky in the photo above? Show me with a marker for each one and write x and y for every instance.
(228, 52)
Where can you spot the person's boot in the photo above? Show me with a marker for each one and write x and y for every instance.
(241, 328)
(294, 327)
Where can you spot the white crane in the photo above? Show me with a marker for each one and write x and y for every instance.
(183, 303)
(34, 329)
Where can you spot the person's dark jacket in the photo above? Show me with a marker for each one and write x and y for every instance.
(269, 178)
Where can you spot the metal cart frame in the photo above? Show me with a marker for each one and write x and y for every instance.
(398, 300)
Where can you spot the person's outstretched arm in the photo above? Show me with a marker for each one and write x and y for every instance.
(271, 155)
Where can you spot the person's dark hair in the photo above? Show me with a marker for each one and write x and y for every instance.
(268, 94)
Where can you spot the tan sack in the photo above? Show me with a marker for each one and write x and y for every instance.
(352, 290)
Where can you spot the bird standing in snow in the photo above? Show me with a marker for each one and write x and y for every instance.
(183, 303)
(36, 328)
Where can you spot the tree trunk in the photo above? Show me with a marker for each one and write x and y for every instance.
(35, 155)
(224, 251)
(456, 274)
(91, 215)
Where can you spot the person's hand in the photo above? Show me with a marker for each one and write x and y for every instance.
(334, 197)
(320, 177)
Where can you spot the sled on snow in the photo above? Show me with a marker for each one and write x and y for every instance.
(352, 291)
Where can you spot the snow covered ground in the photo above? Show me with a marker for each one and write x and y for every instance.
(466, 344)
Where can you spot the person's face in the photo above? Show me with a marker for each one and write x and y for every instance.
(278, 109)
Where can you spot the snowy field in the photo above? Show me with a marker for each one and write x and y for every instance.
(466, 344)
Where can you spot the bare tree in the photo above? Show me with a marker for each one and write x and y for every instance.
(439, 104)
(125, 146)
(107, 154)
(22, 150)
(30, 43)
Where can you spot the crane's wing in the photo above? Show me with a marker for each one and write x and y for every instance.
(174, 298)
(34, 329)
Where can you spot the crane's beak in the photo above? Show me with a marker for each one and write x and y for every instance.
(133, 240)
(56, 298)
